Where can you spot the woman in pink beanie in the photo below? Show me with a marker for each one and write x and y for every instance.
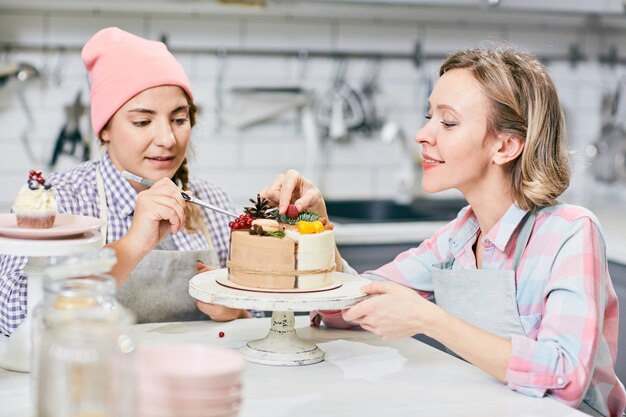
(142, 111)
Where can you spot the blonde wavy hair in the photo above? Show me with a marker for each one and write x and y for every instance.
(524, 103)
(193, 216)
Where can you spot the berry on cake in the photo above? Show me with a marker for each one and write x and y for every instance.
(295, 250)
(35, 206)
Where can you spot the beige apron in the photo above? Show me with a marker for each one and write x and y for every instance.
(158, 288)
(487, 298)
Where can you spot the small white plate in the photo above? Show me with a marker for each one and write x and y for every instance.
(64, 225)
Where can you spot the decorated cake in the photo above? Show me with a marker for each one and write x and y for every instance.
(289, 251)
(35, 206)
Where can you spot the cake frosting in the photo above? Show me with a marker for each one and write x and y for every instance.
(35, 205)
(281, 253)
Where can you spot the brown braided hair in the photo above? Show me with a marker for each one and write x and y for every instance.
(193, 216)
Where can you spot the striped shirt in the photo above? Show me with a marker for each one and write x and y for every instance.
(77, 193)
(565, 298)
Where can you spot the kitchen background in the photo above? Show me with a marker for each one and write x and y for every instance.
(275, 94)
(333, 88)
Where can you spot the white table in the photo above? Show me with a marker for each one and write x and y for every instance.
(375, 379)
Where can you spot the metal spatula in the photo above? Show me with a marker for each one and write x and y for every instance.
(191, 199)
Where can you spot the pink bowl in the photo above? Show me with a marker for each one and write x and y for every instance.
(173, 399)
(190, 365)
(150, 389)
(178, 405)
(182, 410)
(172, 413)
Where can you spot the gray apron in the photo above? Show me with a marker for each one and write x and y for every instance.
(487, 298)
(482, 297)
(158, 288)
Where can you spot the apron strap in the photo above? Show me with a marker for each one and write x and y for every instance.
(522, 239)
(104, 211)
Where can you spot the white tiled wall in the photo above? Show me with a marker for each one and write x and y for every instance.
(244, 161)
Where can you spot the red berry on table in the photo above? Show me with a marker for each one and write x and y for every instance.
(221, 334)
(292, 211)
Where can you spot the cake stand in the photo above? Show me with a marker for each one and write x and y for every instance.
(15, 351)
(281, 346)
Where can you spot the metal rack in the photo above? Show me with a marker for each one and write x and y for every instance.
(574, 55)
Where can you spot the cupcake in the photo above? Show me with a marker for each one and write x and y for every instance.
(35, 206)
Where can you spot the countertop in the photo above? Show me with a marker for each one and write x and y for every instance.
(362, 376)
(612, 220)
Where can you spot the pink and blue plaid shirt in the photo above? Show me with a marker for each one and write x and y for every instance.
(565, 298)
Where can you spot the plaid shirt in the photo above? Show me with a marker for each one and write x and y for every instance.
(565, 298)
(77, 193)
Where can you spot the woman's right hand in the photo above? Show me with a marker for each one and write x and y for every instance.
(159, 211)
(292, 188)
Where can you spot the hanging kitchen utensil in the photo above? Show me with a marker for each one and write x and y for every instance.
(608, 153)
(340, 99)
(70, 140)
(219, 89)
(18, 71)
(18, 75)
(54, 68)
(249, 106)
(367, 95)
(337, 129)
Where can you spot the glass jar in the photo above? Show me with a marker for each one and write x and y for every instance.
(86, 370)
(75, 288)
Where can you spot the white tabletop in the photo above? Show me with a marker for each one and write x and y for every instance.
(362, 376)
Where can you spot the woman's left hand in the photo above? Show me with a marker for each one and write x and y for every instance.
(392, 311)
(217, 312)
(221, 313)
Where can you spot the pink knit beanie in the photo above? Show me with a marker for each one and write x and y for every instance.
(122, 65)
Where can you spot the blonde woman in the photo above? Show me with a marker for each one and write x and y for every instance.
(519, 281)
(142, 111)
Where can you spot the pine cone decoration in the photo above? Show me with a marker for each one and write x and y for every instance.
(258, 211)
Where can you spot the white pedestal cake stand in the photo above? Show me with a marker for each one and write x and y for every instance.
(282, 346)
(15, 351)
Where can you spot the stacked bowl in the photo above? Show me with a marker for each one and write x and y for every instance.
(188, 380)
